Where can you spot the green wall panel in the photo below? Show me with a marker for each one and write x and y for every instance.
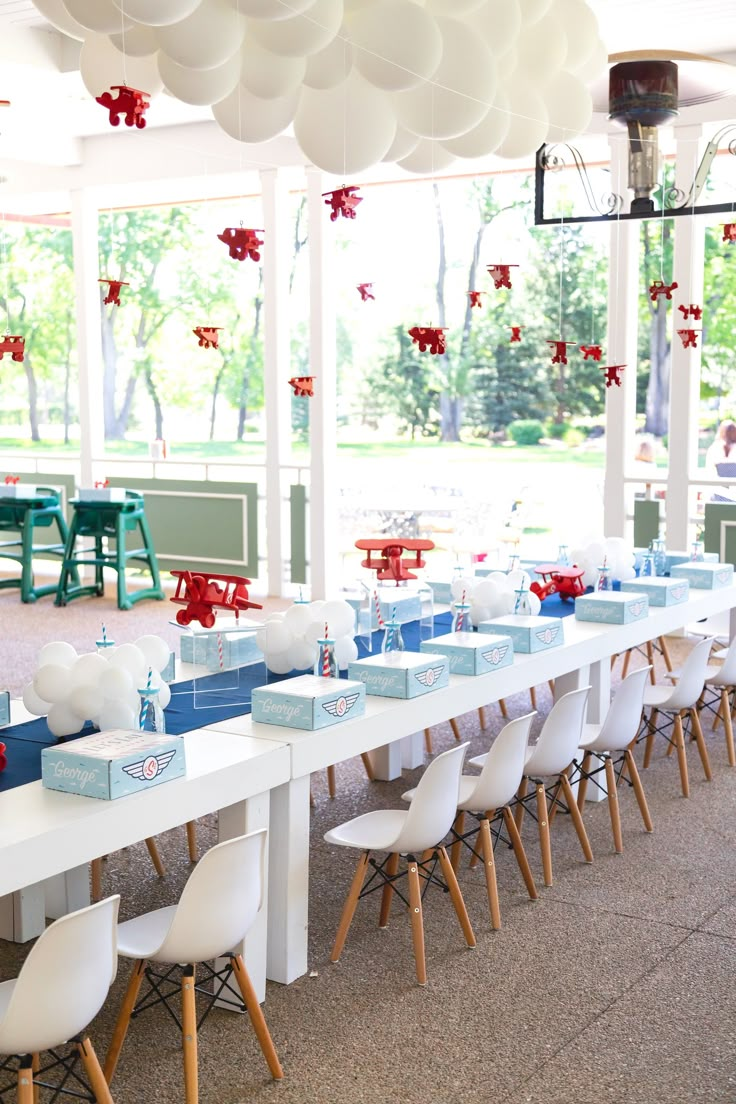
(716, 513)
(298, 529)
(646, 522)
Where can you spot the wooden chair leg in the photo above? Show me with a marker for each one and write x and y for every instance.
(504, 710)
(576, 817)
(368, 766)
(192, 840)
(189, 1036)
(638, 790)
(455, 729)
(349, 907)
(519, 810)
(121, 1026)
(718, 713)
(651, 733)
(155, 857)
(257, 1018)
(456, 896)
(387, 893)
(428, 740)
(482, 716)
(681, 755)
(35, 1066)
(533, 696)
(96, 874)
(650, 661)
(457, 845)
(520, 853)
(94, 1073)
(613, 808)
(417, 921)
(702, 749)
(613, 660)
(489, 867)
(583, 783)
(25, 1085)
(544, 841)
(728, 727)
(665, 653)
(554, 801)
(331, 788)
(627, 661)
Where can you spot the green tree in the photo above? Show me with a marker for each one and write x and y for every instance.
(405, 386)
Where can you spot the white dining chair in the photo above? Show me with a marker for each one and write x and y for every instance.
(215, 911)
(721, 679)
(417, 833)
(611, 742)
(61, 987)
(551, 758)
(673, 702)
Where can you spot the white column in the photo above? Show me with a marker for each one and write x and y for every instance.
(323, 551)
(276, 370)
(621, 346)
(89, 346)
(689, 237)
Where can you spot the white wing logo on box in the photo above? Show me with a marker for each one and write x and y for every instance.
(145, 770)
(678, 592)
(723, 576)
(636, 608)
(548, 635)
(338, 707)
(430, 676)
(495, 655)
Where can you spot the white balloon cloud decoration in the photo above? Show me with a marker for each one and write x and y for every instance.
(355, 77)
(289, 642)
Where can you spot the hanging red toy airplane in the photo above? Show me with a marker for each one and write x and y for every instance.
(201, 594)
(613, 373)
(390, 564)
(591, 352)
(659, 288)
(113, 290)
(365, 292)
(692, 309)
(515, 334)
(130, 102)
(556, 579)
(303, 386)
(560, 350)
(430, 338)
(13, 344)
(242, 243)
(689, 338)
(500, 275)
(475, 298)
(208, 336)
(343, 201)
(729, 231)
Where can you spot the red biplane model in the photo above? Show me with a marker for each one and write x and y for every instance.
(342, 201)
(130, 102)
(207, 336)
(113, 290)
(389, 564)
(241, 242)
(13, 344)
(565, 581)
(302, 386)
(202, 593)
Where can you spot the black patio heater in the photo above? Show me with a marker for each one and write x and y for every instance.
(642, 95)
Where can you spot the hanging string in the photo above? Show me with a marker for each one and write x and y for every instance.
(344, 114)
(122, 35)
(562, 262)
(661, 228)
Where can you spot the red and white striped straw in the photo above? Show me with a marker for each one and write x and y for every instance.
(326, 657)
(219, 651)
(379, 619)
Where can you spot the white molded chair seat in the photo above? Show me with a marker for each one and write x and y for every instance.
(722, 680)
(62, 986)
(417, 833)
(676, 700)
(215, 911)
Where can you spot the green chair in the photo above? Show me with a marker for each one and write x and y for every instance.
(107, 524)
(22, 516)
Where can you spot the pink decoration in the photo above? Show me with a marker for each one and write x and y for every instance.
(303, 386)
(659, 288)
(430, 338)
(3, 757)
(208, 336)
(560, 350)
(365, 292)
(591, 352)
(692, 310)
(242, 243)
(689, 338)
(13, 344)
(499, 273)
(613, 373)
(101, 484)
(113, 290)
(343, 201)
(130, 102)
(515, 334)
(475, 298)
(12, 480)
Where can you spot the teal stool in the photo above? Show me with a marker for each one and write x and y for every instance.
(109, 521)
(40, 510)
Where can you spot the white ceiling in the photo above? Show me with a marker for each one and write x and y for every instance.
(700, 26)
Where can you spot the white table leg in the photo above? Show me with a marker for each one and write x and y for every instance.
(236, 820)
(67, 892)
(387, 761)
(288, 892)
(412, 751)
(23, 914)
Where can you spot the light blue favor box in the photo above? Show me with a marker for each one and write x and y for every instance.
(608, 607)
(704, 576)
(193, 647)
(400, 674)
(406, 603)
(238, 649)
(659, 590)
(674, 558)
(168, 673)
(112, 764)
(309, 702)
(442, 591)
(4, 708)
(528, 633)
(472, 653)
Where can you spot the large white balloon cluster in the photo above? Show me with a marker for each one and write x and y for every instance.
(618, 556)
(495, 595)
(289, 640)
(361, 80)
(69, 689)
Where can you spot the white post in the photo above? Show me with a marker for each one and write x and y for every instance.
(621, 347)
(89, 347)
(689, 257)
(323, 550)
(276, 369)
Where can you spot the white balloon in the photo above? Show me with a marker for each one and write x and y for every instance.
(63, 721)
(316, 632)
(101, 16)
(266, 74)
(164, 694)
(297, 618)
(316, 607)
(302, 656)
(116, 683)
(157, 13)
(533, 10)
(426, 157)
(33, 703)
(581, 29)
(302, 34)
(206, 38)
(137, 40)
(130, 659)
(462, 585)
(101, 66)
(117, 714)
(518, 579)
(570, 107)
(249, 118)
(156, 651)
(87, 670)
(330, 66)
(534, 603)
(278, 615)
(403, 144)
(51, 682)
(454, 8)
(485, 592)
(529, 120)
(498, 577)
(58, 16)
(340, 616)
(480, 613)
(279, 663)
(346, 651)
(57, 651)
(397, 44)
(506, 603)
(345, 129)
(486, 136)
(86, 701)
(507, 64)
(270, 9)
(499, 21)
(274, 636)
(460, 91)
(542, 50)
(592, 67)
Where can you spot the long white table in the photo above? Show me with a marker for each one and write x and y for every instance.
(47, 838)
(583, 659)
